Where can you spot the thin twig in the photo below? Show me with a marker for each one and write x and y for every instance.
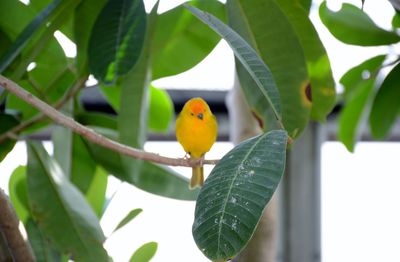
(91, 135)
(12, 133)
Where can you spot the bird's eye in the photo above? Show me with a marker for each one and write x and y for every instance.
(191, 114)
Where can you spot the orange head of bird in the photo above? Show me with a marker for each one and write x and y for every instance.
(198, 108)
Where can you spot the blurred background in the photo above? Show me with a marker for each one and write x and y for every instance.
(347, 211)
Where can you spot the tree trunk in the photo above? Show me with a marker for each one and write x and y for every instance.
(12, 245)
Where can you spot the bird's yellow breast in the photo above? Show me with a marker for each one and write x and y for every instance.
(194, 134)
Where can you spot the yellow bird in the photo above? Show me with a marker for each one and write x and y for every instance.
(196, 130)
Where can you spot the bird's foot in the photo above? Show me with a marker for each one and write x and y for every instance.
(186, 156)
(201, 160)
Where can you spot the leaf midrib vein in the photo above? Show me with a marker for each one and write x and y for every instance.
(230, 189)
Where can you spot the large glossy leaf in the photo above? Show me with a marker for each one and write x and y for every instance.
(60, 210)
(135, 80)
(84, 19)
(7, 122)
(144, 253)
(181, 41)
(249, 58)
(42, 248)
(161, 110)
(386, 105)
(152, 178)
(132, 117)
(117, 39)
(75, 160)
(263, 24)
(358, 85)
(233, 197)
(322, 85)
(352, 26)
(17, 187)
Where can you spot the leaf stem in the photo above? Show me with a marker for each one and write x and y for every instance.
(91, 135)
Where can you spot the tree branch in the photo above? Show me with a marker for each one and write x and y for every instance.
(91, 135)
(14, 242)
(13, 132)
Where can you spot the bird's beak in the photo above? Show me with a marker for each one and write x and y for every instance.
(200, 116)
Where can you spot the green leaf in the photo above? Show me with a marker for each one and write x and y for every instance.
(97, 119)
(322, 85)
(63, 143)
(112, 94)
(364, 71)
(42, 248)
(27, 34)
(7, 122)
(134, 84)
(131, 215)
(5, 42)
(83, 166)
(181, 41)
(249, 58)
(15, 16)
(162, 180)
(84, 19)
(144, 253)
(386, 105)
(266, 27)
(161, 110)
(75, 160)
(39, 42)
(358, 93)
(17, 187)
(96, 193)
(15, 103)
(50, 94)
(152, 178)
(305, 4)
(396, 20)
(353, 26)
(60, 210)
(233, 197)
(117, 39)
(51, 73)
(132, 116)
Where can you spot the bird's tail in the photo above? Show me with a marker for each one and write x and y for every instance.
(197, 179)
